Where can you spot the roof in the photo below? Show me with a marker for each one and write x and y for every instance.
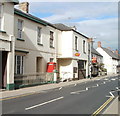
(14, 1)
(33, 18)
(110, 53)
(63, 27)
(95, 52)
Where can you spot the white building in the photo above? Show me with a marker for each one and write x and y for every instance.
(29, 43)
(73, 50)
(7, 43)
(110, 59)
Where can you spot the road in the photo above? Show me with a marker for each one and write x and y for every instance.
(82, 98)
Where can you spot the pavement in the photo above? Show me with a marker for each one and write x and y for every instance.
(112, 109)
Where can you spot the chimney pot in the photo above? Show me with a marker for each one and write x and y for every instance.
(24, 6)
(99, 44)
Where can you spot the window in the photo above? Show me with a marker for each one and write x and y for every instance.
(39, 39)
(51, 39)
(20, 28)
(0, 16)
(76, 43)
(18, 64)
(84, 46)
(51, 59)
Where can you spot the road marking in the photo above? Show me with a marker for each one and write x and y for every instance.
(77, 92)
(60, 88)
(87, 88)
(75, 84)
(113, 79)
(23, 95)
(44, 103)
(102, 107)
(111, 94)
(106, 79)
(2, 99)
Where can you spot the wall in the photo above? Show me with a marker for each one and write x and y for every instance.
(30, 44)
(108, 61)
(8, 40)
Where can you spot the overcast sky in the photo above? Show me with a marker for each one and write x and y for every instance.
(98, 20)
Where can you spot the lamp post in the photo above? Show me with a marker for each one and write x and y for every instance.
(90, 55)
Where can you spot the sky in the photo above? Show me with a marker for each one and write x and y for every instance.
(95, 19)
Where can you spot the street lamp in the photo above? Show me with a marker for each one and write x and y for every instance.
(90, 40)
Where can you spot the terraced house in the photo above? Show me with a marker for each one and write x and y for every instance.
(35, 51)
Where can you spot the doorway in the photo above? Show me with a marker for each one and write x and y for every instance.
(39, 64)
(81, 69)
(4, 69)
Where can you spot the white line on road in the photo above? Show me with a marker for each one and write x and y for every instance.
(43, 103)
(75, 84)
(60, 88)
(87, 88)
(106, 79)
(77, 92)
(111, 94)
(113, 79)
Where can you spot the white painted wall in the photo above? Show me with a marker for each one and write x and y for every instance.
(110, 64)
(66, 51)
(8, 27)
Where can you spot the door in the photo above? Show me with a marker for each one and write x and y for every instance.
(81, 69)
(4, 69)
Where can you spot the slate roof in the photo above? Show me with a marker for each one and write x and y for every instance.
(110, 53)
(63, 27)
(33, 18)
(14, 1)
(93, 51)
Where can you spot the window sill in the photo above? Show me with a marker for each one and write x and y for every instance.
(40, 44)
(20, 39)
(2, 31)
(77, 50)
(52, 47)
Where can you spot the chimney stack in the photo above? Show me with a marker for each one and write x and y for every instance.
(99, 44)
(24, 6)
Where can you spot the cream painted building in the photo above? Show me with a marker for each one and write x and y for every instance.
(7, 43)
(73, 50)
(29, 43)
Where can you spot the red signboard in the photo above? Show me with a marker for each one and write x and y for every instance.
(94, 59)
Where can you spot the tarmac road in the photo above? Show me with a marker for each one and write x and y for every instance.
(84, 98)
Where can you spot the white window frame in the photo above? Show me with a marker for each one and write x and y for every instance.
(84, 46)
(51, 59)
(39, 38)
(21, 64)
(1, 16)
(20, 29)
(51, 39)
(76, 43)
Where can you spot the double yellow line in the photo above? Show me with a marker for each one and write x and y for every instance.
(102, 107)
